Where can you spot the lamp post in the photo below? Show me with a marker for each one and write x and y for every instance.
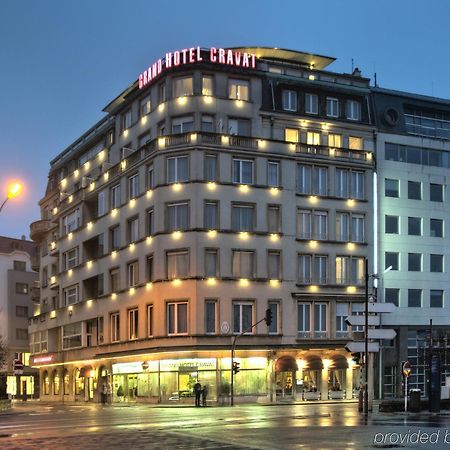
(14, 190)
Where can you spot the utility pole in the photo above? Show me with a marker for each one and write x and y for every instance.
(366, 341)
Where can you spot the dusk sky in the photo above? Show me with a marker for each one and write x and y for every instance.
(63, 61)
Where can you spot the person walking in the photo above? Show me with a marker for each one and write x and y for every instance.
(197, 392)
(204, 394)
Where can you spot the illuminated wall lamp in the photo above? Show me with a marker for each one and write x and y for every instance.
(70, 236)
(132, 247)
(89, 303)
(70, 272)
(176, 282)
(70, 198)
(244, 188)
(161, 107)
(313, 244)
(313, 288)
(125, 133)
(149, 285)
(211, 281)
(87, 165)
(89, 264)
(274, 191)
(243, 235)
(123, 164)
(176, 235)
(70, 309)
(207, 99)
(177, 187)
(76, 173)
(144, 120)
(212, 186)
(313, 199)
(212, 234)
(55, 210)
(274, 283)
(274, 237)
(351, 289)
(182, 101)
(92, 186)
(225, 140)
(239, 103)
(132, 203)
(149, 240)
(161, 142)
(90, 225)
(64, 182)
(351, 246)
(292, 147)
(350, 202)
(106, 176)
(262, 143)
(114, 212)
(149, 193)
(101, 155)
(244, 282)
(194, 137)
(131, 291)
(113, 254)
(113, 296)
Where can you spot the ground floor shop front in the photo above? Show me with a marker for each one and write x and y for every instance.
(265, 376)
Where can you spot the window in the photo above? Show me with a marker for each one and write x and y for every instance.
(391, 260)
(311, 104)
(207, 123)
(162, 92)
(210, 316)
(177, 216)
(357, 265)
(320, 269)
(21, 334)
(436, 228)
(358, 221)
(66, 382)
(177, 169)
(414, 262)
(289, 100)
(239, 89)
(133, 186)
(239, 127)
(312, 138)
(211, 263)
(274, 307)
(392, 295)
(177, 318)
(391, 224)
(126, 120)
(149, 268)
(115, 196)
(274, 265)
(414, 298)
(303, 319)
(149, 320)
(72, 335)
(332, 107)
(150, 177)
(133, 323)
(71, 295)
(21, 311)
(242, 217)
(303, 179)
(114, 236)
(207, 85)
(291, 135)
(436, 192)
(101, 203)
(182, 125)
(145, 106)
(71, 258)
(304, 269)
(415, 226)
(243, 264)
(414, 190)
(71, 221)
(133, 229)
(436, 263)
(210, 162)
(133, 273)
(150, 222)
(334, 140)
(320, 225)
(242, 317)
(183, 86)
(342, 183)
(342, 226)
(242, 171)
(353, 110)
(355, 143)
(391, 188)
(304, 224)
(357, 183)
(436, 298)
(211, 212)
(273, 173)
(320, 319)
(273, 219)
(342, 269)
(114, 276)
(320, 181)
(342, 312)
(19, 266)
(115, 327)
(177, 264)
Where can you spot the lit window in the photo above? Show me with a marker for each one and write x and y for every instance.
(334, 140)
(332, 107)
(238, 89)
(312, 138)
(355, 143)
(183, 86)
(291, 135)
(207, 85)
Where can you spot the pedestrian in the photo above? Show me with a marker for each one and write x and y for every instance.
(109, 393)
(204, 394)
(197, 392)
(103, 394)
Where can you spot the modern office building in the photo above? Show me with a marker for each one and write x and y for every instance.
(18, 258)
(221, 183)
(413, 161)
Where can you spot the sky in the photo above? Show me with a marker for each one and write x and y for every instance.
(62, 62)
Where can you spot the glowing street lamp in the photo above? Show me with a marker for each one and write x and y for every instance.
(14, 190)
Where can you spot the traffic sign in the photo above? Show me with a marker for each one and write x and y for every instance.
(18, 367)
(374, 321)
(381, 307)
(382, 333)
(374, 347)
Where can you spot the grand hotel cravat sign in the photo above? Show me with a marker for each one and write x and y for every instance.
(196, 54)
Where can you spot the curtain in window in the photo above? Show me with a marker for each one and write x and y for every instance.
(304, 224)
(211, 216)
(273, 219)
(243, 264)
(304, 268)
(177, 265)
(303, 179)
(182, 318)
(242, 218)
(210, 167)
(273, 265)
(211, 264)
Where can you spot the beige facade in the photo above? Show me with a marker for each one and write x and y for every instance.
(232, 196)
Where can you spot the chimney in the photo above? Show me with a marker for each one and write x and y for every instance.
(356, 72)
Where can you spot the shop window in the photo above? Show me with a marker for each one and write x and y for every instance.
(56, 382)
(66, 382)
(46, 383)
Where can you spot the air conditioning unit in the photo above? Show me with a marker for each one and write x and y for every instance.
(125, 152)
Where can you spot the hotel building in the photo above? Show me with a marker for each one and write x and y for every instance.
(220, 184)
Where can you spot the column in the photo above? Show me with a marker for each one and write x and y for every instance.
(349, 382)
(324, 384)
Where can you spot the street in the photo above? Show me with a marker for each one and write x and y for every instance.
(310, 426)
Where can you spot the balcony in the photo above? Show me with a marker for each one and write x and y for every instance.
(35, 292)
(39, 229)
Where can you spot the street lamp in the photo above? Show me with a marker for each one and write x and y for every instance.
(14, 190)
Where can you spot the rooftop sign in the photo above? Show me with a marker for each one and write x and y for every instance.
(196, 54)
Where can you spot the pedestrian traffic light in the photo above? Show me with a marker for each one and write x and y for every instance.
(356, 357)
(236, 367)
(268, 317)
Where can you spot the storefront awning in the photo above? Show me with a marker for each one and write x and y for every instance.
(286, 364)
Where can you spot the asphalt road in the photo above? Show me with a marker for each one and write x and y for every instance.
(280, 427)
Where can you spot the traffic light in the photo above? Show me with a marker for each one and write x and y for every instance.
(236, 367)
(268, 317)
(356, 357)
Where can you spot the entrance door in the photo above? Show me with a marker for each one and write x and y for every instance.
(88, 389)
(132, 387)
(284, 384)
